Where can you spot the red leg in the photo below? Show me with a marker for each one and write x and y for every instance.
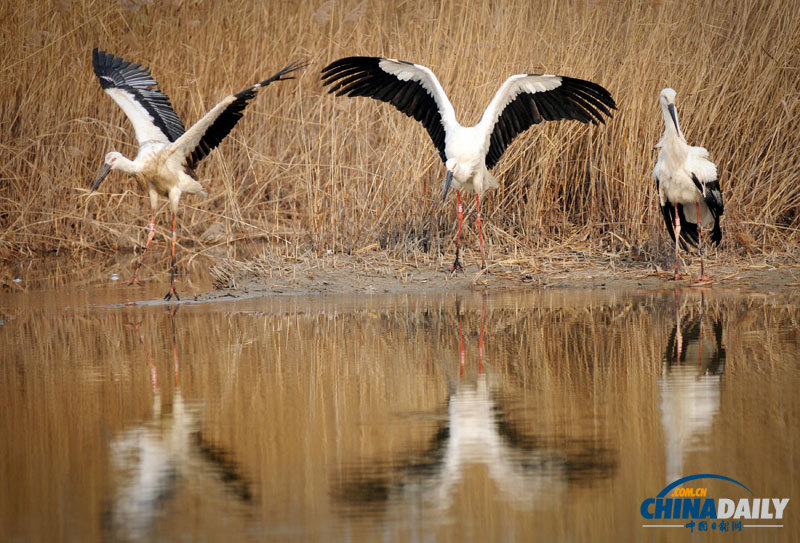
(456, 264)
(703, 276)
(677, 239)
(700, 345)
(678, 334)
(153, 370)
(462, 353)
(150, 235)
(175, 363)
(172, 270)
(480, 233)
(480, 338)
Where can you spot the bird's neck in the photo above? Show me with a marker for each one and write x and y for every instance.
(673, 141)
(674, 146)
(128, 166)
(670, 126)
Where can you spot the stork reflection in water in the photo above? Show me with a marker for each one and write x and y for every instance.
(689, 384)
(475, 430)
(152, 461)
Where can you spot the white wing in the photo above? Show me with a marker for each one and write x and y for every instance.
(700, 166)
(528, 99)
(207, 133)
(135, 91)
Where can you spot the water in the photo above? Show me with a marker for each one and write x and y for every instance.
(522, 415)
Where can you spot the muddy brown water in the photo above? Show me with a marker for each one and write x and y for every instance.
(507, 416)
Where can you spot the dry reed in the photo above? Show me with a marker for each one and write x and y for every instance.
(306, 173)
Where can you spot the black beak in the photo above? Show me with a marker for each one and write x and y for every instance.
(448, 178)
(102, 175)
(671, 109)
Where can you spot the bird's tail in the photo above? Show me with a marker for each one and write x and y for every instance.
(191, 186)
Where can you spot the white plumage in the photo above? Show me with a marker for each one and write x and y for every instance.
(168, 154)
(685, 177)
(469, 152)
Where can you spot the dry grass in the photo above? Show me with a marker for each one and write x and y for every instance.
(307, 173)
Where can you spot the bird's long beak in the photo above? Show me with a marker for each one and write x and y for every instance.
(102, 175)
(671, 109)
(447, 180)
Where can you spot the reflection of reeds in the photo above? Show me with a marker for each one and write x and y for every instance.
(298, 391)
(322, 173)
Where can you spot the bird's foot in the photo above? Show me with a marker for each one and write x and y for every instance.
(456, 267)
(172, 292)
(676, 277)
(135, 279)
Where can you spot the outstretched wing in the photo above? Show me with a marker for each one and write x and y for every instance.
(207, 133)
(411, 88)
(132, 87)
(528, 99)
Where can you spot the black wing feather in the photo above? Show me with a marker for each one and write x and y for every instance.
(713, 198)
(574, 99)
(688, 229)
(225, 122)
(114, 72)
(363, 76)
(689, 234)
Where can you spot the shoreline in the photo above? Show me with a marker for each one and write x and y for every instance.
(380, 273)
(355, 275)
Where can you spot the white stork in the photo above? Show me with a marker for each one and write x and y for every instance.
(684, 176)
(168, 154)
(469, 152)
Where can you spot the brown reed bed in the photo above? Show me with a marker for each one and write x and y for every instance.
(306, 173)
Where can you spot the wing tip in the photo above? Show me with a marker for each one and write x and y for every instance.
(114, 71)
(281, 75)
(98, 60)
(353, 62)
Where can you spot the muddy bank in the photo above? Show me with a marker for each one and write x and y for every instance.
(226, 279)
(353, 275)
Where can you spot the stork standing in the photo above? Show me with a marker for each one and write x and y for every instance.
(469, 152)
(168, 154)
(685, 177)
